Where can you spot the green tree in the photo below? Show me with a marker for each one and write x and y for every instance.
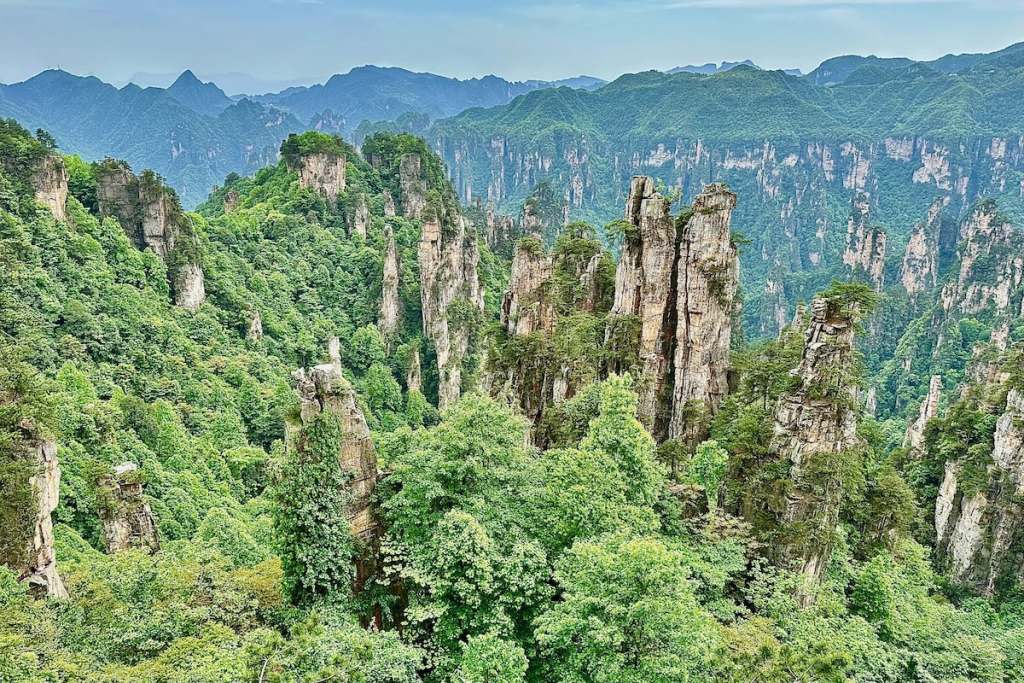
(627, 613)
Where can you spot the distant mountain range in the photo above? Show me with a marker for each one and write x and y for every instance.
(194, 133)
(712, 68)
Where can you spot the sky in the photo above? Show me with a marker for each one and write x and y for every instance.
(282, 42)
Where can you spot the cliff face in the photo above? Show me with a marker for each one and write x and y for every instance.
(324, 389)
(414, 187)
(50, 182)
(152, 218)
(708, 280)
(681, 285)
(815, 424)
(360, 218)
(865, 245)
(980, 528)
(527, 306)
(645, 285)
(795, 186)
(390, 304)
(920, 267)
(449, 283)
(128, 521)
(322, 172)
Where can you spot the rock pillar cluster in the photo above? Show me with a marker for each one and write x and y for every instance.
(680, 283)
(451, 295)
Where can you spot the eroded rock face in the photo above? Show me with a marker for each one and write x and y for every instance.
(645, 287)
(813, 422)
(360, 216)
(128, 521)
(708, 280)
(255, 331)
(681, 286)
(189, 289)
(414, 186)
(914, 439)
(151, 216)
(37, 563)
(413, 374)
(919, 271)
(448, 260)
(324, 389)
(390, 304)
(50, 182)
(389, 204)
(980, 531)
(322, 172)
(865, 245)
(991, 265)
(527, 306)
(230, 201)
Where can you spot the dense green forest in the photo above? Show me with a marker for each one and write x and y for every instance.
(601, 557)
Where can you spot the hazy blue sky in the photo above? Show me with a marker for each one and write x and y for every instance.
(311, 39)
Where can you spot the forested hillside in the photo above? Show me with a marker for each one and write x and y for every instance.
(336, 426)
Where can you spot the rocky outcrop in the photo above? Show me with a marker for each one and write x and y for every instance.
(230, 201)
(707, 285)
(980, 529)
(914, 438)
(323, 389)
(413, 185)
(30, 547)
(255, 331)
(389, 204)
(323, 172)
(50, 182)
(449, 283)
(390, 303)
(189, 287)
(813, 423)
(865, 245)
(527, 307)
(128, 521)
(151, 216)
(680, 284)
(360, 217)
(920, 267)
